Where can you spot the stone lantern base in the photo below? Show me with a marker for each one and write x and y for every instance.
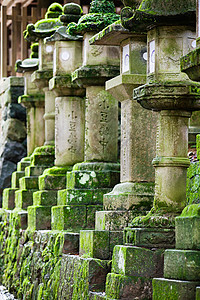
(182, 265)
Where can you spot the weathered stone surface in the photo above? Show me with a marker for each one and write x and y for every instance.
(6, 167)
(23, 164)
(34, 170)
(138, 127)
(86, 274)
(39, 217)
(130, 195)
(95, 244)
(15, 178)
(83, 179)
(45, 198)
(67, 57)
(71, 243)
(114, 220)
(182, 265)
(99, 244)
(168, 289)
(101, 125)
(14, 129)
(68, 217)
(70, 128)
(13, 151)
(14, 111)
(8, 201)
(28, 183)
(137, 261)
(85, 196)
(74, 217)
(61, 197)
(150, 237)
(187, 228)
(126, 287)
(24, 198)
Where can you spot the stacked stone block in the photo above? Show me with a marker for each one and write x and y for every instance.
(182, 265)
(13, 128)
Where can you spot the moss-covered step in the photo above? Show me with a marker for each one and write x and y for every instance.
(39, 218)
(99, 244)
(9, 198)
(28, 183)
(16, 177)
(114, 220)
(193, 182)
(182, 264)
(54, 178)
(197, 293)
(127, 287)
(137, 261)
(187, 228)
(79, 276)
(23, 164)
(24, 198)
(8, 201)
(150, 237)
(43, 156)
(88, 182)
(169, 289)
(73, 217)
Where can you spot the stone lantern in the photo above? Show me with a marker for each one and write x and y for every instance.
(89, 180)
(169, 92)
(69, 124)
(43, 156)
(138, 127)
(33, 100)
(170, 33)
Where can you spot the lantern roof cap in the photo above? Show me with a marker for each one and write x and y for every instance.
(113, 35)
(159, 12)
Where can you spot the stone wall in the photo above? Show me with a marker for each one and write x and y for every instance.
(13, 129)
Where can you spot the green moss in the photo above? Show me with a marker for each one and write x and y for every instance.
(155, 218)
(103, 6)
(192, 210)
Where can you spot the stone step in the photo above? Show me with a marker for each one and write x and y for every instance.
(74, 217)
(8, 201)
(80, 276)
(99, 244)
(165, 289)
(34, 170)
(23, 164)
(15, 178)
(24, 198)
(28, 183)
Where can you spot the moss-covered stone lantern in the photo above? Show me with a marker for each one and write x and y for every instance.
(137, 174)
(88, 181)
(43, 156)
(182, 264)
(69, 124)
(33, 100)
(170, 34)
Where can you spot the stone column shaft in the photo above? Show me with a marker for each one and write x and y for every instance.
(101, 125)
(49, 117)
(171, 162)
(69, 130)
